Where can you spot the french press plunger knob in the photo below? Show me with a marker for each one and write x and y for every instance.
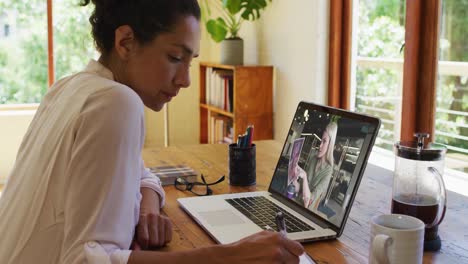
(421, 137)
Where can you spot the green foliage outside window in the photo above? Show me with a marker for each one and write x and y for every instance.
(23, 54)
(381, 35)
(453, 90)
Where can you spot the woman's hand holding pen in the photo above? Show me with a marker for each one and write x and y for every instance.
(265, 247)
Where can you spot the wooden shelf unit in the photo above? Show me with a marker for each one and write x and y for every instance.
(252, 101)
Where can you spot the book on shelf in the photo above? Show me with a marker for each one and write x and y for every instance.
(220, 128)
(219, 88)
(208, 84)
(169, 173)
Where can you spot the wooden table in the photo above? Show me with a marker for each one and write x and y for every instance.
(374, 197)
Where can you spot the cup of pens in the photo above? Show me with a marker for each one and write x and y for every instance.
(242, 161)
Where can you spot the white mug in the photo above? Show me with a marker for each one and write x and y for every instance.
(395, 239)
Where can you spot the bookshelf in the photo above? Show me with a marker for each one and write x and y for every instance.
(233, 97)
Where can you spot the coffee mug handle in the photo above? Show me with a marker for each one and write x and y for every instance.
(380, 246)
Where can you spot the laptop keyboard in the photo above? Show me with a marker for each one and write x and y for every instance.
(263, 211)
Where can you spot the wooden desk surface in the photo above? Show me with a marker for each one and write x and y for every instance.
(374, 197)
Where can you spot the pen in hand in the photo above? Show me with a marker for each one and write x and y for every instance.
(280, 224)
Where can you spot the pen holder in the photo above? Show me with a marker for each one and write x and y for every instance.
(242, 168)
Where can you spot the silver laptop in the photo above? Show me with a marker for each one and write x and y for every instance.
(314, 184)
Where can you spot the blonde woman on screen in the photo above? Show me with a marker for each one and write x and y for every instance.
(315, 185)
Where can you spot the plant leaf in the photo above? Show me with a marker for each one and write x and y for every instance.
(233, 6)
(217, 29)
(251, 8)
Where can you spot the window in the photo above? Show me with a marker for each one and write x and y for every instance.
(451, 127)
(377, 82)
(73, 43)
(409, 66)
(24, 48)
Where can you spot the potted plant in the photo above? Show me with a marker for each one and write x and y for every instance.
(225, 28)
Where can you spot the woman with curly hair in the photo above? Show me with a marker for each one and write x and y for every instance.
(79, 191)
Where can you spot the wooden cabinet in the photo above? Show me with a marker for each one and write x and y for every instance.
(236, 96)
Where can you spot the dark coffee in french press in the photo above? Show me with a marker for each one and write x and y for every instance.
(418, 186)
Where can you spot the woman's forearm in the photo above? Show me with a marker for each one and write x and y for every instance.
(149, 201)
(261, 248)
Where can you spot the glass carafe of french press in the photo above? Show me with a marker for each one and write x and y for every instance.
(418, 186)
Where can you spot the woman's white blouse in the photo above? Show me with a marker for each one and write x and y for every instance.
(74, 193)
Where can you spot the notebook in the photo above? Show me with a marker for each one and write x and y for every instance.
(314, 184)
(169, 173)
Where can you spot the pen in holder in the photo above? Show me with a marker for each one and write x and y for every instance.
(242, 165)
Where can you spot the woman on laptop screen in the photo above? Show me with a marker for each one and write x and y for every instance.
(309, 188)
(316, 183)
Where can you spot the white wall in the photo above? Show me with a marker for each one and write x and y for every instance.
(293, 37)
(13, 126)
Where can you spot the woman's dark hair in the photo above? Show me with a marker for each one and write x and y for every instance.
(147, 18)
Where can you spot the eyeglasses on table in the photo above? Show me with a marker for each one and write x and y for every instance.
(197, 188)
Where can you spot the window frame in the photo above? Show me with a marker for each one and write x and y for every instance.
(50, 44)
(420, 68)
(339, 53)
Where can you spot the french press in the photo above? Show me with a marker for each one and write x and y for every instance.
(418, 186)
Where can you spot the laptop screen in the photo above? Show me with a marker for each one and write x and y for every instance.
(321, 159)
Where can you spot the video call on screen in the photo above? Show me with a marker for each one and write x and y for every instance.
(317, 164)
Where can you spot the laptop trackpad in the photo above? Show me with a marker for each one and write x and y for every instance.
(221, 217)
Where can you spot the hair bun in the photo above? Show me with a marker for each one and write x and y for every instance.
(147, 18)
